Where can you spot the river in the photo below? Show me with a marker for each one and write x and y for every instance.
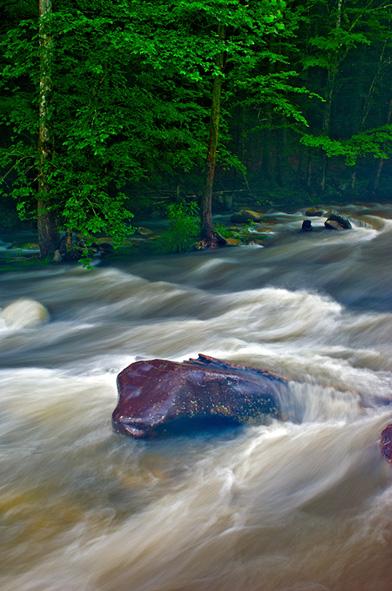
(302, 505)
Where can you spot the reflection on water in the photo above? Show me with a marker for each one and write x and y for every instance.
(300, 505)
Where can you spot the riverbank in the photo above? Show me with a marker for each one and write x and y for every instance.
(19, 247)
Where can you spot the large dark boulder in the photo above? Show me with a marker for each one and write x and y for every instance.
(160, 397)
(386, 443)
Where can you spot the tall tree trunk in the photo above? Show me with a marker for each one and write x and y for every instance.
(48, 234)
(207, 229)
(380, 161)
(326, 121)
(308, 170)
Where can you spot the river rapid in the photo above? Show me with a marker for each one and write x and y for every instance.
(301, 505)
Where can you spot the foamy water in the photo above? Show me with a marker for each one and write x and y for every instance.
(299, 505)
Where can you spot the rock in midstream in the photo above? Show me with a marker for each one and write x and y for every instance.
(160, 397)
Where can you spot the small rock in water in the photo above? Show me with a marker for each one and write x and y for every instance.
(307, 226)
(25, 313)
(337, 221)
(245, 216)
(314, 212)
(386, 443)
(232, 242)
(57, 258)
(333, 225)
(146, 232)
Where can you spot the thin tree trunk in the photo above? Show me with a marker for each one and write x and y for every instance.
(327, 120)
(48, 235)
(332, 73)
(376, 179)
(207, 229)
(300, 162)
(380, 161)
(69, 239)
(308, 169)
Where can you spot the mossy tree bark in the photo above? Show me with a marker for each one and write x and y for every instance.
(48, 234)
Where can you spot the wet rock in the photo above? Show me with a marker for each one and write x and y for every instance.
(232, 242)
(307, 226)
(337, 221)
(145, 232)
(27, 247)
(25, 313)
(74, 251)
(160, 397)
(255, 243)
(203, 244)
(57, 258)
(314, 212)
(103, 240)
(386, 443)
(200, 245)
(245, 216)
(104, 248)
(333, 225)
(263, 228)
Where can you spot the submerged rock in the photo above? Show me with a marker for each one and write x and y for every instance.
(314, 212)
(386, 443)
(160, 397)
(145, 232)
(245, 216)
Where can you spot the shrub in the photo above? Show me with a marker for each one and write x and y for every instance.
(184, 228)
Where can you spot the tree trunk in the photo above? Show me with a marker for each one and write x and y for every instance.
(326, 122)
(207, 229)
(332, 73)
(380, 161)
(308, 169)
(48, 234)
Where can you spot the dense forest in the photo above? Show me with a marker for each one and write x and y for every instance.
(106, 106)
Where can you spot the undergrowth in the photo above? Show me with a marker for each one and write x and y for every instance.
(183, 230)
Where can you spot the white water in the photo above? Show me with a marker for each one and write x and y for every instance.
(303, 505)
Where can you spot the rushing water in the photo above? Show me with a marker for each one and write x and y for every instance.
(303, 505)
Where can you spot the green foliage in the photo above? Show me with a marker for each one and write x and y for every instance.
(131, 86)
(114, 120)
(374, 142)
(224, 230)
(184, 228)
(8, 218)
